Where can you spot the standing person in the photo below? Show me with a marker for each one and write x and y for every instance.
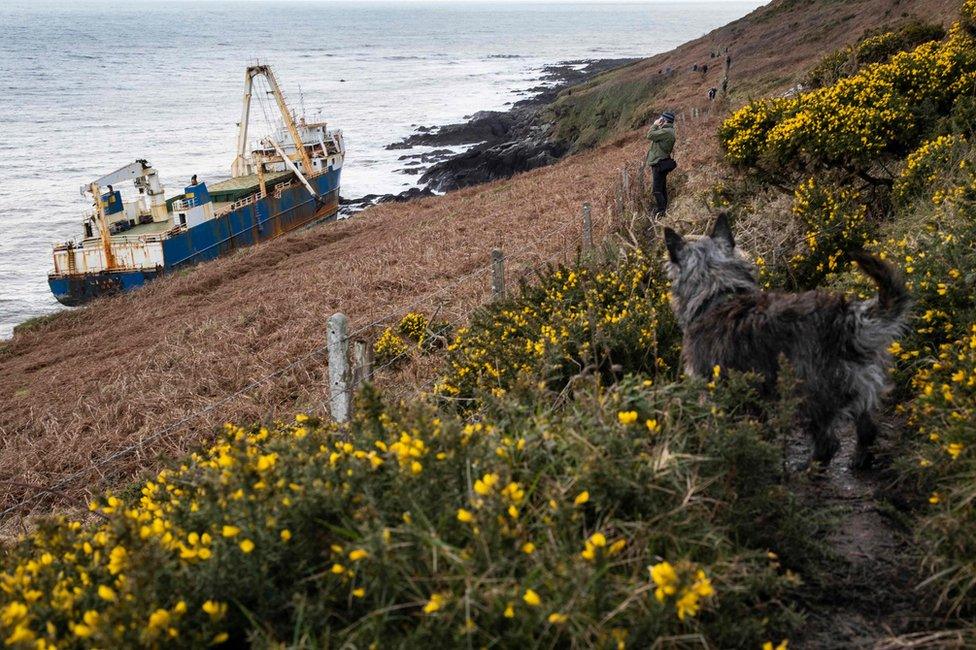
(659, 159)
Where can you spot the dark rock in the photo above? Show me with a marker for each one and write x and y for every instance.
(349, 207)
(408, 195)
(483, 126)
(488, 163)
(369, 198)
(504, 142)
(428, 157)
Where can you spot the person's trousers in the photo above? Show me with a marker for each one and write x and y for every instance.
(659, 187)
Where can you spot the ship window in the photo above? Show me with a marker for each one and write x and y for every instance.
(182, 219)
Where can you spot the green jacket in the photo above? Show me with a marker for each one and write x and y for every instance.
(662, 143)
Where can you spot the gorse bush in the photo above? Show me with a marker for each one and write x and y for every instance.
(389, 347)
(934, 166)
(934, 243)
(883, 110)
(944, 412)
(875, 48)
(931, 240)
(414, 527)
(834, 221)
(745, 132)
(415, 330)
(575, 321)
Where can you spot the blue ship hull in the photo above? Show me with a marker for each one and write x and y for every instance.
(250, 224)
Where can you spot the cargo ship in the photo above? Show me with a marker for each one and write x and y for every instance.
(287, 180)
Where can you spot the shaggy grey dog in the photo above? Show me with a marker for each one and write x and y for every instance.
(837, 347)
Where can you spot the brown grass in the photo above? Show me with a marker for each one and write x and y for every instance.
(95, 380)
(772, 49)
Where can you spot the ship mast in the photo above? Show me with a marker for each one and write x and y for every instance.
(239, 167)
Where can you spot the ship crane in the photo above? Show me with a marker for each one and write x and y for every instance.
(271, 143)
(239, 166)
(145, 178)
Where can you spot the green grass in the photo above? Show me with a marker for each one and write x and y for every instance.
(35, 323)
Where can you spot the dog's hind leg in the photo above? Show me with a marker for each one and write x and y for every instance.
(825, 441)
(867, 432)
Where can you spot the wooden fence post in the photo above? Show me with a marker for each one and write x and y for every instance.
(497, 274)
(362, 363)
(624, 190)
(340, 394)
(587, 229)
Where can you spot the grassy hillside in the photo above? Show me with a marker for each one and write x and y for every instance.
(558, 483)
(89, 382)
(772, 49)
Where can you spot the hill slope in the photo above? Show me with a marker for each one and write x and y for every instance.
(771, 50)
(565, 484)
(94, 380)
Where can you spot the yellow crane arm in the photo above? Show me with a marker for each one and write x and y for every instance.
(239, 166)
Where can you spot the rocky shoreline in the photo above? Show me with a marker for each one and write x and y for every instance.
(501, 143)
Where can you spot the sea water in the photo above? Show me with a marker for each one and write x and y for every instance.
(89, 86)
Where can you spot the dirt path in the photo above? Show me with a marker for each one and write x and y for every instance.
(864, 596)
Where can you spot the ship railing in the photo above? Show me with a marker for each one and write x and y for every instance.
(185, 204)
(240, 203)
(284, 186)
(116, 239)
(136, 239)
(281, 188)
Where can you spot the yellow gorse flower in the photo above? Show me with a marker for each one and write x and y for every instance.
(666, 579)
(782, 645)
(435, 603)
(627, 418)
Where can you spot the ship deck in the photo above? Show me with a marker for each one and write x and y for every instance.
(235, 189)
(142, 229)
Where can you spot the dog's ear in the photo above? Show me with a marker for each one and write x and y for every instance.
(722, 231)
(674, 242)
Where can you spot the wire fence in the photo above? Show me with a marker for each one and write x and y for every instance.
(526, 250)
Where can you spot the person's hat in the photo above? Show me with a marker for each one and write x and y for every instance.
(668, 116)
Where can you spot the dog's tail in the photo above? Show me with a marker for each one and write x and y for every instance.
(893, 300)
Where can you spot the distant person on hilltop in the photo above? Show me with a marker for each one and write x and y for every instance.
(659, 159)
